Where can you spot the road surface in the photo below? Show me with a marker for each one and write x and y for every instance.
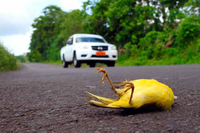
(48, 98)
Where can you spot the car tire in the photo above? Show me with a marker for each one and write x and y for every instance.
(77, 64)
(92, 64)
(111, 63)
(65, 64)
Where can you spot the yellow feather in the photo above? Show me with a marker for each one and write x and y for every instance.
(146, 91)
(102, 99)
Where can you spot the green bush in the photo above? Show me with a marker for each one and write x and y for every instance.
(180, 45)
(150, 45)
(188, 30)
(7, 60)
(130, 49)
(21, 58)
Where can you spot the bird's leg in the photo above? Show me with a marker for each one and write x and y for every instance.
(130, 86)
(105, 74)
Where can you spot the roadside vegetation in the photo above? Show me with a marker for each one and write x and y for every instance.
(174, 46)
(7, 60)
(148, 32)
(22, 58)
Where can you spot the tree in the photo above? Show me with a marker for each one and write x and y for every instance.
(97, 23)
(47, 28)
(121, 20)
(72, 24)
(126, 21)
(52, 29)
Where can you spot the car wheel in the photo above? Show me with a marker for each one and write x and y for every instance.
(65, 64)
(92, 64)
(77, 63)
(111, 64)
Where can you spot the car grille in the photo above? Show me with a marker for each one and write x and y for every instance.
(100, 48)
(106, 56)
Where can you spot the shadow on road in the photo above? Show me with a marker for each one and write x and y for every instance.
(101, 113)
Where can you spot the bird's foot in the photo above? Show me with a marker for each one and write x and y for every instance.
(104, 73)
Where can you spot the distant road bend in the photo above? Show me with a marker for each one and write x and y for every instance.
(49, 98)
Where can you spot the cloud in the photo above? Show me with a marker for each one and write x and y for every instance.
(14, 18)
(12, 27)
(17, 16)
(71, 5)
(17, 44)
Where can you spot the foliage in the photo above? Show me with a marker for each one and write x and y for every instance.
(46, 30)
(150, 45)
(169, 56)
(97, 22)
(51, 31)
(119, 21)
(192, 7)
(22, 58)
(188, 30)
(148, 31)
(7, 61)
(72, 24)
(127, 21)
(185, 47)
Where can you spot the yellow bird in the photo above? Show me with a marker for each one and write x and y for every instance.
(135, 94)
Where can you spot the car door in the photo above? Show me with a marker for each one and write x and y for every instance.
(69, 50)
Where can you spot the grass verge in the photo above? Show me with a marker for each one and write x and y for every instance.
(8, 61)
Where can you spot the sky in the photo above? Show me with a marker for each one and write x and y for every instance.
(17, 16)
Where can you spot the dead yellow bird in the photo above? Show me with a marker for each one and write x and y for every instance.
(135, 94)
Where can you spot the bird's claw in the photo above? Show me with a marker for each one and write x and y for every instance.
(104, 73)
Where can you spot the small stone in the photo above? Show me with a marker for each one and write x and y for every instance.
(17, 115)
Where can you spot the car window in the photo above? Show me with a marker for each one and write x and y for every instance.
(89, 39)
(70, 41)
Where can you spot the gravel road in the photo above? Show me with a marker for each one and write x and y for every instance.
(48, 98)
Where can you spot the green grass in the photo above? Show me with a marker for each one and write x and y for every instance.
(83, 65)
(8, 61)
(181, 57)
(150, 62)
(18, 65)
(53, 62)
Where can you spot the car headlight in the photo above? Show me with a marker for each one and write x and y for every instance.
(83, 47)
(113, 47)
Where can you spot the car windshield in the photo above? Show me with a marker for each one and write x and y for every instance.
(89, 39)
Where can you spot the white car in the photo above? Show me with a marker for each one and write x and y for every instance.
(88, 48)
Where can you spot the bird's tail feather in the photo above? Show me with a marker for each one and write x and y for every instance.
(103, 102)
(102, 99)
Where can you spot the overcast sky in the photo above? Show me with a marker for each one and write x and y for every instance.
(16, 17)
